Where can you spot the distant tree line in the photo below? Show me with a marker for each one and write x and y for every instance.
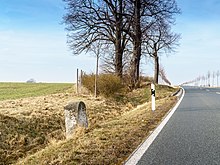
(211, 79)
(125, 30)
(31, 81)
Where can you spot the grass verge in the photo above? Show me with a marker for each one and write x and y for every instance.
(109, 143)
(32, 129)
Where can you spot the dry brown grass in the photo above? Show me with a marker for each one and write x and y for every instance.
(109, 143)
(33, 129)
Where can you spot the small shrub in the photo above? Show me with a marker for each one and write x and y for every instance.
(108, 85)
(142, 82)
(88, 81)
(146, 79)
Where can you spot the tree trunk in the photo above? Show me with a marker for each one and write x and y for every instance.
(136, 65)
(137, 45)
(156, 68)
(118, 58)
(118, 43)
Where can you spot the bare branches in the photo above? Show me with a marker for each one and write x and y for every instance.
(86, 24)
(157, 36)
(163, 75)
(90, 21)
(122, 25)
(160, 38)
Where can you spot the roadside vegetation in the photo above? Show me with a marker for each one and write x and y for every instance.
(32, 130)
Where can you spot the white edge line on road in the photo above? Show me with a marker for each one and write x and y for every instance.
(139, 152)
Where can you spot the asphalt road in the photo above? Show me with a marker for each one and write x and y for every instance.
(192, 135)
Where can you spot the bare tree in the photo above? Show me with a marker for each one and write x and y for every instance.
(213, 79)
(160, 38)
(204, 80)
(217, 75)
(115, 22)
(136, 38)
(89, 21)
(96, 48)
(199, 81)
(163, 75)
(208, 77)
(142, 15)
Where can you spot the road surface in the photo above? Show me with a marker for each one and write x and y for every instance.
(192, 135)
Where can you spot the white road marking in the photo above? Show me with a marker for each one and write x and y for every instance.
(139, 152)
(218, 93)
(207, 90)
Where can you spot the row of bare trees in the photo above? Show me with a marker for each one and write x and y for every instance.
(124, 31)
(209, 79)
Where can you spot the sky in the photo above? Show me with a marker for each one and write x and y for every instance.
(33, 43)
(198, 52)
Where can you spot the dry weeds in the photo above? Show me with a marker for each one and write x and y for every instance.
(32, 129)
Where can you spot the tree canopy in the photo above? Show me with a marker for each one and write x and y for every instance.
(129, 27)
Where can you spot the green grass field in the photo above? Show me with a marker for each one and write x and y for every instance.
(23, 90)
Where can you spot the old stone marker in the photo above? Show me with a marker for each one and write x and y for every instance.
(75, 115)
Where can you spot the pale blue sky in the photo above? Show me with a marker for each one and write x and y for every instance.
(199, 25)
(33, 42)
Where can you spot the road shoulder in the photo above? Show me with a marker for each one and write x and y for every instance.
(142, 148)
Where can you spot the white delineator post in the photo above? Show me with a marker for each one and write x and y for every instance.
(153, 96)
